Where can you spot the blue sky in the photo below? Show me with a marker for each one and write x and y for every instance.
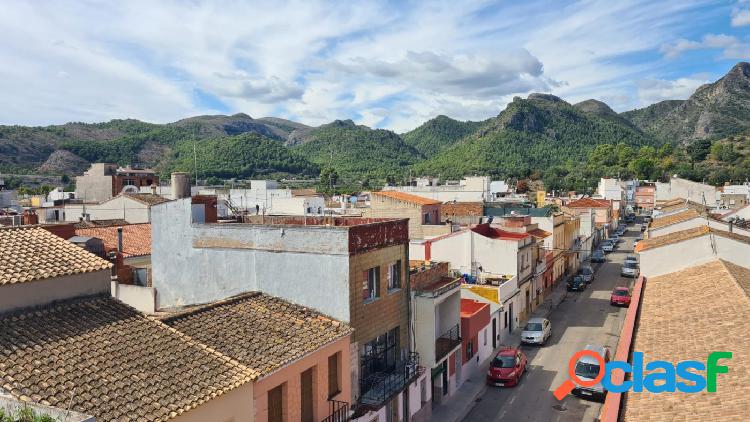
(384, 64)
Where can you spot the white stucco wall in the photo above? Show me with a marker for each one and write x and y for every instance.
(41, 292)
(198, 263)
(118, 207)
(692, 223)
(689, 253)
(140, 297)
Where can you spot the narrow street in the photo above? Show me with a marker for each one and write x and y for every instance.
(581, 319)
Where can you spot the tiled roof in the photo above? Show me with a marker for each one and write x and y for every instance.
(671, 238)
(668, 220)
(494, 233)
(34, 253)
(107, 360)
(589, 203)
(136, 238)
(261, 331)
(147, 198)
(670, 203)
(407, 197)
(539, 233)
(100, 223)
(686, 315)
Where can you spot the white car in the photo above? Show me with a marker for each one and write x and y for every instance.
(608, 246)
(631, 258)
(536, 331)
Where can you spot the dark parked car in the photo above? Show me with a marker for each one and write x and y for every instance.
(598, 256)
(577, 283)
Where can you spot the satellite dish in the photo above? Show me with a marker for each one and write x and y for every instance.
(130, 189)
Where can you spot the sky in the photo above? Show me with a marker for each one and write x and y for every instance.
(385, 64)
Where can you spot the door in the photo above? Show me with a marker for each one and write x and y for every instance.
(494, 333)
(444, 377)
(307, 396)
(510, 317)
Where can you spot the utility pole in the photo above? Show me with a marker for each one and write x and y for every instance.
(195, 154)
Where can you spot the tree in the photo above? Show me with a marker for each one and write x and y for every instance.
(698, 150)
(328, 179)
(522, 186)
(643, 168)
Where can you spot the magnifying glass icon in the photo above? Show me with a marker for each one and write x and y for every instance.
(566, 387)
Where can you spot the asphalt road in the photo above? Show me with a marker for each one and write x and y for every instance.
(582, 318)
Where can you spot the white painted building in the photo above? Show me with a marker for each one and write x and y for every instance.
(691, 247)
(610, 189)
(469, 189)
(700, 193)
(133, 208)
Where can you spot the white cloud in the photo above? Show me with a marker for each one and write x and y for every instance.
(392, 65)
(731, 46)
(740, 15)
(654, 90)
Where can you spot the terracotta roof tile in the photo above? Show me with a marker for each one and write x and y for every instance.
(147, 198)
(539, 233)
(34, 253)
(671, 238)
(686, 315)
(407, 197)
(100, 223)
(588, 203)
(136, 238)
(668, 220)
(115, 363)
(670, 203)
(261, 331)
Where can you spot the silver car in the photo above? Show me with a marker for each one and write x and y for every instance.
(587, 273)
(629, 269)
(608, 246)
(536, 331)
(587, 369)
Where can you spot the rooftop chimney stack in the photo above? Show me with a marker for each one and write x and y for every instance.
(119, 240)
(180, 185)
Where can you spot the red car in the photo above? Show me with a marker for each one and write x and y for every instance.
(620, 296)
(507, 367)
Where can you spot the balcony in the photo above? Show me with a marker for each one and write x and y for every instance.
(383, 380)
(438, 287)
(338, 411)
(447, 342)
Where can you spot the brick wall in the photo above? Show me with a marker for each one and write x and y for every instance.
(459, 209)
(390, 310)
(429, 275)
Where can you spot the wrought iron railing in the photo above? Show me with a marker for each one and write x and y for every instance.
(338, 411)
(447, 342)
(379, 386)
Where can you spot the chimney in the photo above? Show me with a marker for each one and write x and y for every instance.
(119, 240)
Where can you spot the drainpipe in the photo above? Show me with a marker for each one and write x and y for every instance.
(119, 240)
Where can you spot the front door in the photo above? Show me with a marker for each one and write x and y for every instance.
(510, 317)
(494, 333)
(307, 396)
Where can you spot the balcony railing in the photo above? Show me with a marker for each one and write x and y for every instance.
(447, 342)
(338, 411)
(377, 387)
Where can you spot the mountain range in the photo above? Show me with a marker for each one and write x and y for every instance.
(530, 135)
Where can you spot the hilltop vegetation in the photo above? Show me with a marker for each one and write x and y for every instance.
(541, 138)
(438, 134)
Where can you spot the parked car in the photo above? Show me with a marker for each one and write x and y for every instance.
(576, 283)
(608, 246)
(615, 238)
(507, 367)
(639, 237)
(598, 256)
(620, 297)
(587, 368)
(644, 226)
(630, 218)
(587, 273)
(536, 331)
(629, 269)
(631, 258)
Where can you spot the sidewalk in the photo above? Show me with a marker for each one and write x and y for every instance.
(462, 401)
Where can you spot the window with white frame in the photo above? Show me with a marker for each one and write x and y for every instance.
(394, 275)
(371, 284)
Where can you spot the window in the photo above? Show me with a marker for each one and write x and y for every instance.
(306, 394)
(485, 336)
(333, 376)
(469, 350)
(426, 219)
(276, 404)
(394, 275)
(371, 284)
(381, 353)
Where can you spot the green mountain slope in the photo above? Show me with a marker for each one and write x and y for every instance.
(437, 134)
(358, 152)
(531, 134)
(246, 155)
(715, 110)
